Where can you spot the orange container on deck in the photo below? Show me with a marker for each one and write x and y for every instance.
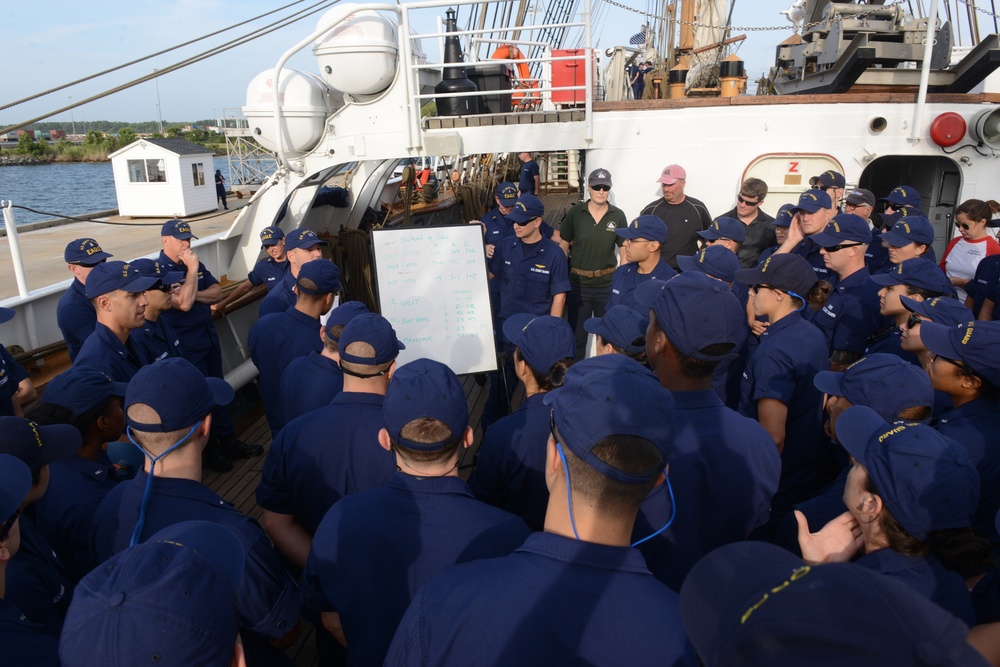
(571, 73)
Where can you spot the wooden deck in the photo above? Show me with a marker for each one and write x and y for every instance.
(239, 485)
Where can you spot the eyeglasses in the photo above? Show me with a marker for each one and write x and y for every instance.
(630, 241)
(741, 200)
(757, 288)
(8, 524)
(164, 288)
(913, 320)
(841, 246)
(954, 362)
(850, 207)
(600, 188)
(962, 225)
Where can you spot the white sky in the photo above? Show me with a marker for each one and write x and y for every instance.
(52, 43)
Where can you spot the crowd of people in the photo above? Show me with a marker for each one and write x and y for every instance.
(781, 449)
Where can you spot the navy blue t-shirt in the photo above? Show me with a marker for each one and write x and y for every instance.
(309, 383)
(555, 601)
(369, 569)
(325, 455)
(526, 180)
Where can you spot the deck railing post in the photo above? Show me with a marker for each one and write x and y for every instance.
(925, 74)
(15, 249)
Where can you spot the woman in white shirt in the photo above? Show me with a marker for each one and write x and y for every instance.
(975, 242)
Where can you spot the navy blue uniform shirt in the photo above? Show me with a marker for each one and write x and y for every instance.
(529, 275)
(268, 272)
(76, 488)
(927, 576)
(37, 581)
(24, 643)
(195, 329)
(157, 340)
(627, 277)
(275, 340)
(890, 341)
(325, 455)
(877, 255)
(76, 317)
(11, 375)
(309, 383)
(526, 180)
(555, 601)
(809, 249)
(510, 464)
(851, 314)
(370, 570)
(789, 354)
(985, 285)
(107, 354)
(280, 298)
(714, 448)
(975, 425)
(267, 598)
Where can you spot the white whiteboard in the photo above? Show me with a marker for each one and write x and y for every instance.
(432, 287)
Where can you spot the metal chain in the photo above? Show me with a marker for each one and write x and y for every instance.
(972, 4)
(806, 26)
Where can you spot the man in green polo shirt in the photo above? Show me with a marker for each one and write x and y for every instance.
(587, 234)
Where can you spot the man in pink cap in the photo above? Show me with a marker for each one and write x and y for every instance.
(684, 216)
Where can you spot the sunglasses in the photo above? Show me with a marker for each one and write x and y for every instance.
(164, 288)
(8, 524)
(841, 246)
(963, 225)
(954, 362)
(741, 200)
(757, 288)
(526, 222)
(600, 188)
(913, 320)
(849, 206)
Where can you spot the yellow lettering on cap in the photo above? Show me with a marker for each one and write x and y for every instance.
(797, 574)
(836, 226)
(125, 270)
(34, 430)
(906, 227)
(967, 336)
(94, 250)
(891, 432)
(811, 196)
(763, 269)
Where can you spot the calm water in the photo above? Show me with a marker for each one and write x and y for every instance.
(74, 188)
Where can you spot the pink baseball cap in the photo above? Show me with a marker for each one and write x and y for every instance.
(671, 174)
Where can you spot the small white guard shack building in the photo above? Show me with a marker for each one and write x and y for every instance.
(170, 178)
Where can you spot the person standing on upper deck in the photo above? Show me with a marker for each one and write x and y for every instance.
(760, 232)
(75, 314)
(684, 216)
(588, 235)
(529, 182)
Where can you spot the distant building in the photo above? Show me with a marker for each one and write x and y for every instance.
(170, 178)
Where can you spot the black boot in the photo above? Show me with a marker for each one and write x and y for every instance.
(234, 448)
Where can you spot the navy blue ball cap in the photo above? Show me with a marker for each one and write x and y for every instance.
(843, 228)
(542, 339)
(343, 314)
(271, 236)
(15, 482)
(179, 582)
(85, 251)
(81, 389)
(789, 273)
(7, 314)
(829, 179)
(302, 238)
(784, 216)
(910, 229)
(887, 383)
(37, 445)
(177, 391)
(425, 389)
(716, 261)
(725, 228)
(811, 201)
(111, 276)
(904, 195)
(612, 395)
(696, 311)
(179, 229)
(320, 276)
(924, 477)
(526, 208)
(212, 541)
(621, 326)
(375, 330)
(975, 343)
(946, 310)
(754, 604)
(917, 272)
(507, 193)
(150, 268)
(649, 227)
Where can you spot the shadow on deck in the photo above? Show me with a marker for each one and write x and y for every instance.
(238, 486)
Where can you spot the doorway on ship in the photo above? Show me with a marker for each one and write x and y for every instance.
(937, 179)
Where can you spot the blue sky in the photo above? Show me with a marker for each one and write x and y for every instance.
(52, 43)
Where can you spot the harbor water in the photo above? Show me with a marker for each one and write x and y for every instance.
(65, 189)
